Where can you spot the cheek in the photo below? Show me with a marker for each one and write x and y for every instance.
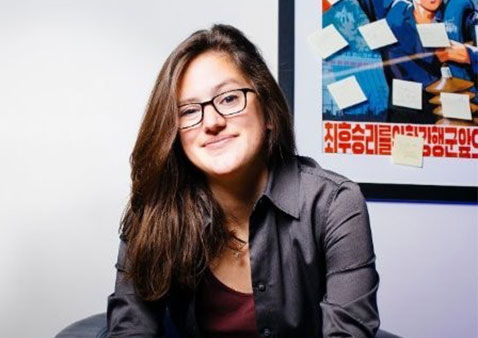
(186, 139)
(258, 130)
(259, 120)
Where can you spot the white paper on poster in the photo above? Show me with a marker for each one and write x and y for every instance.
(407, 94)
(407, 150)
(347, 92)
(433, 35)
(377, 34)
(327, 41)
(333, 2)
(456, 106)
(476, 35)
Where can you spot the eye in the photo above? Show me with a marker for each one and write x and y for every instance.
(229, 99)
(189, 110)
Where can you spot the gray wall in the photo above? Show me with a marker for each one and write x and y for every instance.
(74, 80)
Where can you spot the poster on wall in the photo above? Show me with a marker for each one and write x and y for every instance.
(390, 89)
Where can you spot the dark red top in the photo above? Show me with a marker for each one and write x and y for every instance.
(224, 312)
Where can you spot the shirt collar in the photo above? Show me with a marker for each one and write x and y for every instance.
(283, 187)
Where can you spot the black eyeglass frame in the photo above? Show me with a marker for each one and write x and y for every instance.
(211, 102)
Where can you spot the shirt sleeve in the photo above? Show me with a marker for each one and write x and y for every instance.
(127, 314)
(349, 307)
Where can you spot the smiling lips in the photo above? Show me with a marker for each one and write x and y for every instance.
(218, 140)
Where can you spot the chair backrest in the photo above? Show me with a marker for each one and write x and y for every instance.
(95, 327)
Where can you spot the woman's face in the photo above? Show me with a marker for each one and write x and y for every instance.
(221, 147)
(429, 5)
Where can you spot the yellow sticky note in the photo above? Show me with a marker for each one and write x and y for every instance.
(407, 150)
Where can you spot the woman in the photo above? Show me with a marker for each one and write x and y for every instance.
(226, 227)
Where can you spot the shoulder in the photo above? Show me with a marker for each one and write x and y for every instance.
(322, 189)
(301, 188)
(311, 170)
(315, 179)
(324, 203)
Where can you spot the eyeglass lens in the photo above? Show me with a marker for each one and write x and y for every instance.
(228, 103)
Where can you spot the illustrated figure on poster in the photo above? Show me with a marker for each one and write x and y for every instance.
(409, 60)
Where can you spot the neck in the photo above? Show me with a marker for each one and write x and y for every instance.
(237, 195)
(422, 15)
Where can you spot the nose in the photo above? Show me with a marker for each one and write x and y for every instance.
(212, 120)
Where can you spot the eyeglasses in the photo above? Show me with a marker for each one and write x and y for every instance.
(226, 104)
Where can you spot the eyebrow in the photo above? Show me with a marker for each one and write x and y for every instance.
(214, 90)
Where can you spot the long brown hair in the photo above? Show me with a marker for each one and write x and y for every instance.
(172, 223)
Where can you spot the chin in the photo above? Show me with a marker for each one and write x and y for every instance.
(225, 170)
(220, 167)
(433, 7)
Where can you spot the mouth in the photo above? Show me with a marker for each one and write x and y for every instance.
(218, 140)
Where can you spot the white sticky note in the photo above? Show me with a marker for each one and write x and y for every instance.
(456, 106)
(377, 34)
(407, 94)
(327, 41)
(333, 2)
(407, 150)
(476, 35)
(433, 35)
(347, 92)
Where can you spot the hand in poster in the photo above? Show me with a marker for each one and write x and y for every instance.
(457, 53)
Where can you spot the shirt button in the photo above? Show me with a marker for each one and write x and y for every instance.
(267, 332)
(261, 287)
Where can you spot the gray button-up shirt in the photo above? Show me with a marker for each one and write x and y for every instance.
(312, 264)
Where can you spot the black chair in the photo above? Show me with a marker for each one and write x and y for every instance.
(95, 327)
